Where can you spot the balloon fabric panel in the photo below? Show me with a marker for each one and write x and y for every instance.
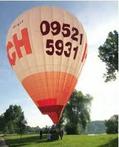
(48, 95)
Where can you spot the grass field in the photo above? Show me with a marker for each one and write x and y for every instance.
(68, 141)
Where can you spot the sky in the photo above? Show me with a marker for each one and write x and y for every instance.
(98, 19)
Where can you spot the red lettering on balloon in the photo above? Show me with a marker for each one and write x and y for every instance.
(11, 58)
(17, 44)
(22, 42)
(84, 53)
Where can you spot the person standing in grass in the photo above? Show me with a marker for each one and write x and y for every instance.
(61, 133)
(41, 133)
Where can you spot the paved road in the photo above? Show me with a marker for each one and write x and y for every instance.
(2, 143)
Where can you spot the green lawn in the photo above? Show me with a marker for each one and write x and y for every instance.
(68, 141)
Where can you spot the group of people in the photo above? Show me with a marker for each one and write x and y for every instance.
(54, 133)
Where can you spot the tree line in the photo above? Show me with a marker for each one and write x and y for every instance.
(75, 118)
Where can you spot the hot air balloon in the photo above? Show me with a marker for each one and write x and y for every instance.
(47, 47)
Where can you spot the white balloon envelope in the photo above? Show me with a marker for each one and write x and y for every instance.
(47, 47)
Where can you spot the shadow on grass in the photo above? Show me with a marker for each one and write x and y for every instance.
(111, 143)
(18, 142)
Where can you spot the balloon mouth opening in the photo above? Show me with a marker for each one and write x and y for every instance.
(53, 111)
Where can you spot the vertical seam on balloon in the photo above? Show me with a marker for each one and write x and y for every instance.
(58, 77)
(44, 56)
(28, 69)
(68, 67)
(71, 81)
(26, 63)
(42, 65)
(53, 90)
(32, 46)
(19, 75)
(60, 67)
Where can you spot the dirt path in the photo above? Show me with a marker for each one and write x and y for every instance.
(2, 142)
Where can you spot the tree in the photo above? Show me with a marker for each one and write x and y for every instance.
(21, 124)
(12, 119)
(35, 130)
(2, 124)
(108, 53)
(112, 125)
(76, 114)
